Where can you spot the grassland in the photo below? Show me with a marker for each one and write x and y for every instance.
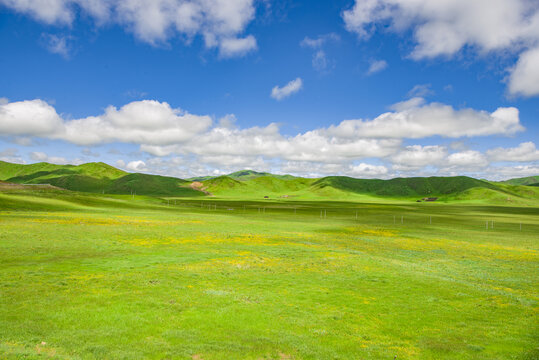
(247, 184)
(87, 276)
(95, 178)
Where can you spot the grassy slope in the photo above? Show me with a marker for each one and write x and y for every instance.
(243, 175)
(9, 170)
(459, 188)
(529, 180)
(120, 278)
(257, 187)
(95, 178)
(100, 177)
(403, 187)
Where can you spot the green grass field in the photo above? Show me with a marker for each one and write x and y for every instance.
(119, 277)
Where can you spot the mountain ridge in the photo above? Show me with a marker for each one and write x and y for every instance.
(98, 177)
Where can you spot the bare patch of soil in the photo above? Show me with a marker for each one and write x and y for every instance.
(198, 186)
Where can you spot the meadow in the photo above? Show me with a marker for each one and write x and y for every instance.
(87, 276)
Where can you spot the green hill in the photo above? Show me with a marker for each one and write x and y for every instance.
(251, 174)
(244, 175)
(103, 178)
(95, 178)
(529, 180)
(257, 187)
(460, 188)
(402, 187)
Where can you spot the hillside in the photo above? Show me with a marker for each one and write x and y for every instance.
(529, 180)
(257, 186)
(402, 187)
(243, 175)
(103, 178)
(460, 188)
(95, 178)
(251, 174)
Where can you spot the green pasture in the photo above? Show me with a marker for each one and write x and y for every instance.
(130, 277)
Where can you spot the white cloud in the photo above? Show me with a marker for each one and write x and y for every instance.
(220, 22)
(414, 102)
(57, 45)
(47, 11)
(467, 159)
(377, 66)
(524, 78)
(508, 172)
(524, 152)
(443, 28)
(200, 146)
(419, 121)
(279, 93)
(320, 59)
(11, 155)
(29, 117)
(319, 41)
(415, 157)
(143, 122)
(367, 170)
(136, 166)
(420, 90)
(231, 47)
(161, 129)
(42, 157)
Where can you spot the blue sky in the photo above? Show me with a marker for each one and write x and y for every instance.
(367, 88)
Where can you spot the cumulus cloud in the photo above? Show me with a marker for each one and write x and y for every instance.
(316, 169)
(42, 157)
(367, 170)
(376, 66)
(467, 159)
(142, 122)
(279, 93)
(220, 22)
(415, 157)
(443, 28)
(524, 78)
(508, 172)
(524, 152)
(200, 146)
(136, 166)
(29, 117)
(414, 120)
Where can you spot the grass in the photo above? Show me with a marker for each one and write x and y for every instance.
(95, 178)
(529, 180)
(119, 277)
(248, 184)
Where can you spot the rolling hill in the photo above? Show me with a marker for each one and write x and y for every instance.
(403, 187)
(243, 175)
(103, 178)
(529, 180)
(95, 178)
(459, 188)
